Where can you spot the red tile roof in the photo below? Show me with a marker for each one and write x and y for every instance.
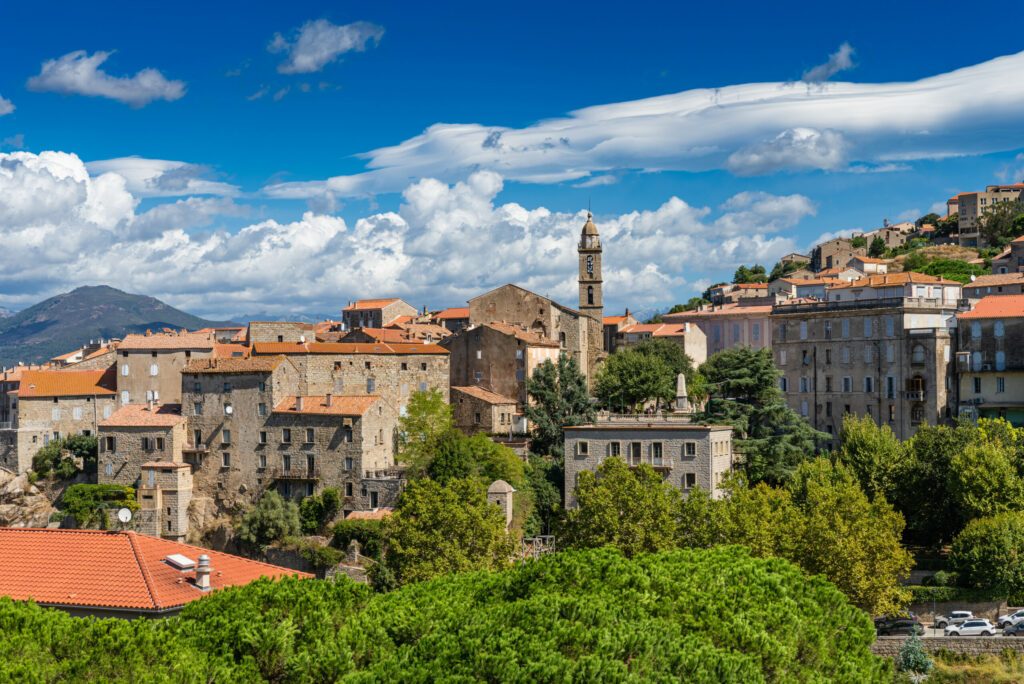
(613, 320)
(724, 311)
(342, 348)
(378, 514)
(455, 312)
(67, 383)
(869, 260)
(140, 415)
(222, 350)
(14, 374)
(317, 405)
(752, 286)
(892, 279)
(378, 334)
(251, 364)
(364, 304)
(996, 279)
(119, 570)
(996, 306)
(522, 334)
(172, 341)
(485, 395)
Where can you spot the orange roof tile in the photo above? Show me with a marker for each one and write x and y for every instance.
(454, 312)
(1019, 239)
(14, 374)
(612, 320)
(184, 340)
(140, 415)
(869, 260)
(724, 311)
(342, 348)
(252, 364)
(378, 334)
(401, 320)
(317, 405)
(522, 334)
(176, 465)
(751, 286)
(892, 279)
(223, 350)
(364, 304)
(996, 306)
(67, 383)
(485, 395)
(995, 279)
(117, 570)
(378, 514)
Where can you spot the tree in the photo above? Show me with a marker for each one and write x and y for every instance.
(754, 274)
(456, 456)
(700, 523)
(912, 657)
(951, 269)
(88, 503)
(744, 392)
(427, 417)
(782, 269)
(439, 529)
(762, 518)
(984, 480)
(272, 518)
(928, 219)
(986, 553)
(544, 479)
(318, 510)
(877, 248)
(628, 380)
(559, 399)
(634, 510)
(1002, 222)
(873, 453)
(858, 242)
(59, 456)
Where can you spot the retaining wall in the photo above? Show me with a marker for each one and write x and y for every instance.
(890, 646)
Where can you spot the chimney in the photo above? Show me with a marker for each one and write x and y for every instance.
(151, 403)
(298, 403)
(328, 400)
(203, 573)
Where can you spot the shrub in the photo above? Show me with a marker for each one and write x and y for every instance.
(88, 503)
(58, 456)
(986, 554)
(367, 532)
(318, 510)
(272, 518)
(913, 658)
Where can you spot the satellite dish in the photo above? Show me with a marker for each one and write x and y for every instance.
(124, 515)
(973, 278)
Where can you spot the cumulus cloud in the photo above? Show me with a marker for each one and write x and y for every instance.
(748, 128)
(597, 181)
(446, 243)
(78, 73)
(6, 106)
(162, 177)
(840, 60)
(318, 43)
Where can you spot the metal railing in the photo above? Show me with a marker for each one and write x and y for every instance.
(294, 473)
(852, 304)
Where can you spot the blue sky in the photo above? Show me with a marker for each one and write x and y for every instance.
(266, 138)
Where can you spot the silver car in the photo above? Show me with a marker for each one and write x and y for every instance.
(955, 618)
(1011, 619)
(972, 628)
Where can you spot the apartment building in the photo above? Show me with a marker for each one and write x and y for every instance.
(996, 284)
(690, 338)
(726, 327)
(879, 346)
(990, 359)
(971, 206)
(149, 366)
(686, 454)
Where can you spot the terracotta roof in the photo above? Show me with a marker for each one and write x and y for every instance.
(656, 329)
(342, 348)
(1018, 239)
(378, 514)
(252, 364)
(401, 320)
(140, 415)
(996, 279)
(67, 383)
(455, 312)
(422, 330)
(102, 351)
(485, 395)
(119, 570)
(378, 334)
(522, 334)
(64, 357)
(868, 260)
(229, 351)
(808, 281)
(185, 340)
(364, 304)
(724, 310)
(955, 199)
(14, 374)
(751, 286)
(997, 306)
(891, 279)
(176, 465)
(613, 320)
(835, 271)
(317, 405)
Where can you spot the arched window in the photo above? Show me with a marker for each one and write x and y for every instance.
(975, 329)
(999, 329)
(590, 294)
(561, 339)
(917, 355)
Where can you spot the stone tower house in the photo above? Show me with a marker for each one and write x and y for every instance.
(591, 295)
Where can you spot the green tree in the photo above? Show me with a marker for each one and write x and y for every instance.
(928, 219)
(58, 457)
(858, 241)
(951, 269)
(753, 274)
(986, 553)
(984, 481)
(628, 380)
(545, 479)
(874, 454)
(762, 518)
(700, 521)
(744, 392)
(634, 510)
(316, 511)
(272, 518)
(783, 269)
(924, 492)
(559, 399)
(427, 417)
(877, 248)
(88, 504)
(1002, 222)
(439, 529)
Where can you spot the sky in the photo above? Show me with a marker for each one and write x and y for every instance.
(284, 158)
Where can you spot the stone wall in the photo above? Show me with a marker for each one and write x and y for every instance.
(279, 331)
(927, 610)
(123, 464)
(154, 371)
(889, 646)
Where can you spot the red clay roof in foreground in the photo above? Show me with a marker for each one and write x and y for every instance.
(120, 570)
(67, 383)
(997, 306)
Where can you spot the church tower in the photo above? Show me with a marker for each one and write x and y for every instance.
(591, 300)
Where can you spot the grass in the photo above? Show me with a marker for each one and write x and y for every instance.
(1004, 668)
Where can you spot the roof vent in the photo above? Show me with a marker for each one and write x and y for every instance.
(180, 562)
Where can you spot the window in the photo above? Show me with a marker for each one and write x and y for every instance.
(286, 435)
(561, 339)
(225, 460)
(690, 449)
(108, 444)
(890, 326)
(869, 384)
(519, 354)
(828, 383)
(890, 387)
(1000, 385)
(689, 480)
(1000, 361)
(309, 436)
(108, 469)
(656, 454)
(371, 385)
(286, 487)
(310, 463)
(868, 353)
(890, 353)
(225, 437)
(479, 354)
(828, 330)
(286, 461)
(147, 445)
(107, 410)
(228, 409)
(828, 356)
(975, 329)
(197, 436)
(846, 327)
(263, 436)
(803, 330)
(892, 413)
(125, 397)
(845, 355)
(634, 453)
(348, 463)
(197, 408)
(196, 387)
(805, 384)
(590, 294)
(261, 409)
(783, 384)
(124, 369)
(614, 448)
(159, 443)
(346, 433)
(55, 413)
(803, 408)
(476, 418)
(735, 332)
(423, 387)
(227, 386)
(755, 332)
(423, 366)
(76, 412)
(828, 409)
(977, 385)
(976, 361)
(348, 489)
(154, 370)
(373, 499)
(867, 327)
(917, 354)
(782, 357)
(263, 387)
(998, 329)
(405, 366)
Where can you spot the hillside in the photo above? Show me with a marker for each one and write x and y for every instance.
(67, 321)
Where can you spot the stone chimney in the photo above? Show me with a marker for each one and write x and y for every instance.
(298, 403)
(328, 400)
(203, 573)
(353, 552)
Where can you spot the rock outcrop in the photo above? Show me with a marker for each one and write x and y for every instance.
(22, 504)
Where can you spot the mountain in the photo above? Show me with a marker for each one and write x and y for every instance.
(5, 313)
(67, 321)
(294, 317)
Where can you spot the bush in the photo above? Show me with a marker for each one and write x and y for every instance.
(88, 503)
(272, 518)
(926, 594)
(986, 554)
(319, 556)
(913, 658)
(58, 456)
(318, 510)
(367, 532)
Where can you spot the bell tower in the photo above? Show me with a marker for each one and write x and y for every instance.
(591, 302)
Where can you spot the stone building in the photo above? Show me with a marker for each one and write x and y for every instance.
(1003, 283)
(880, 346)
(149, 366)
(52, 404)
(164, 493)
(96, 355)
(686, 454)
(280, 331)
(612, 326)
(971, 207)
(498, 357)
(836, 252)
(136, 434)
(453, 319)
(990, 359)
(475, 409)
(375, 313)
(1011, 260)
(732, 293)
(869, 265)
(725, 327)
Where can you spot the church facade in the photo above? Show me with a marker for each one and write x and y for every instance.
(579, 332)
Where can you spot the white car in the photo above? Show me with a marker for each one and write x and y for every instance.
(973, 627)
(1011, 619)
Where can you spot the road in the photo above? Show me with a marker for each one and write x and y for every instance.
(932, 632)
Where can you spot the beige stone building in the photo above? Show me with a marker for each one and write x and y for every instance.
(149, 366)
(136, 434)
(164, 494)
(375, 313)
(686, 454)
(1011, 260)
(971, 206)
(475, 409)
(1003, 283)
(990, 359)
(612, 326)
(880, 346)
(280, 331)
(834, 253)
(52, 404)
(453, 319)
(869, 265)
(726, 327)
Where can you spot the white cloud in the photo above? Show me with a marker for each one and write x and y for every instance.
(840, 60)
(749, 128)
(597, 181)
(78, 73)
(909, 215)
(6, 106)
(16, 141)
(938, 208)
(318, 43)
(446, 243)
(162, 177)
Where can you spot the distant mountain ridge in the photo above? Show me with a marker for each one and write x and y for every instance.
(66, 321)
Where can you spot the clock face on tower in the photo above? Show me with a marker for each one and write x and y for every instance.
(590, 264)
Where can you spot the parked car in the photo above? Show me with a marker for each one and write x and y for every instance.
(898, 624)
(1014, 630)
(973, 627)
(1011, 619)
(955, 618)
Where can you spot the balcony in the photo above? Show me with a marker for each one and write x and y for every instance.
(914, 395)
(294, 473)
(852, 304)
(195, 449)
(9, 425)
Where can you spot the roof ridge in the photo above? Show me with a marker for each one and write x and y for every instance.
(144, 569)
